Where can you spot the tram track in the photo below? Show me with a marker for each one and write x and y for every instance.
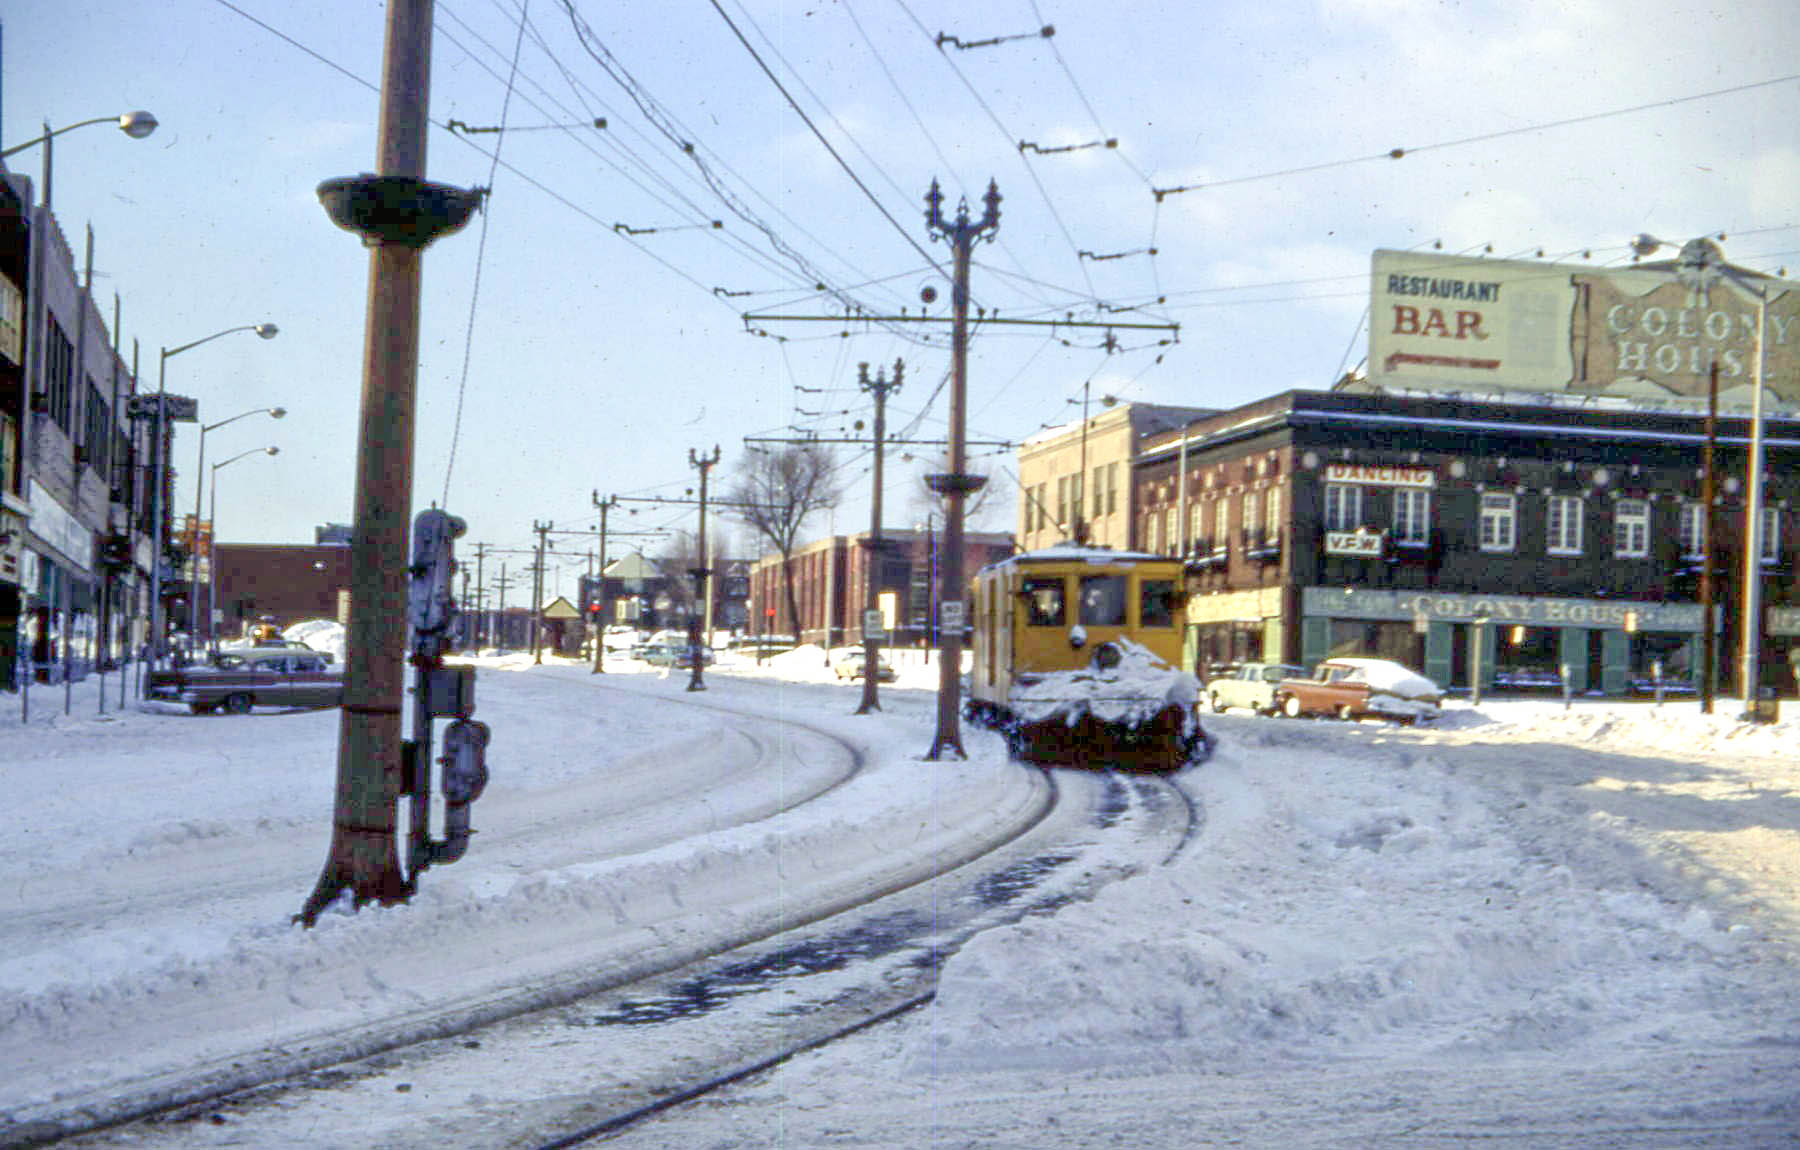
(627, 1053)
(669, 946)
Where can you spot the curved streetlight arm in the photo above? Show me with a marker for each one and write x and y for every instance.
(266, 330)
(242, 454)
(137, 125)
(212, 553)
(200, 474)
(273, 412)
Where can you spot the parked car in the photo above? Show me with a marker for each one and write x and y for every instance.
(235, 681)
(1250, 685)
(850, 663)
(1355, 687)
(671, 655)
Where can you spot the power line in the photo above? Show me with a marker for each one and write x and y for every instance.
(462, 384)
(1402, 152)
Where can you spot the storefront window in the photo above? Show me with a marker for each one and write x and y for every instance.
(1771, 534)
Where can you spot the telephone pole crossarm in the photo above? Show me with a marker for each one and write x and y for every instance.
(986, 321)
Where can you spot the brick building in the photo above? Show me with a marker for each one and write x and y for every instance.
(831, 586)
(1551, 533)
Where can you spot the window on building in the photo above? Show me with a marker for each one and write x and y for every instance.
(1771, 534)
(1112, 488)
(1221, 534)
(59, 371)
(1272, 518)
(1412, 516)
(1252, 515)
(1099, 508)
(96, 440)
(1172, 530)
(1631, 528)
(1077, 486)
(1499, 522)
(1562, 528)
(1692, 530)
(1062, 500)
(1197, 524)
(1343, 507)
(1151, 523)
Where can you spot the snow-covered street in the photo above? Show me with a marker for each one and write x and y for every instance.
(1525, 926)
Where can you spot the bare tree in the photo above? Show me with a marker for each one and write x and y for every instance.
(677, 561)
(774, 493)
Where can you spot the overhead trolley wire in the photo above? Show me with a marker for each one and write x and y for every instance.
(1402, 152)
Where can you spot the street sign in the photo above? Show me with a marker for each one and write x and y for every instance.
(874, 626)
(950, 615)
(176, 408)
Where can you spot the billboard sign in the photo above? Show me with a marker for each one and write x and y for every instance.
(1457, 323)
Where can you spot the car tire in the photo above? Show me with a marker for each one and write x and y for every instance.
(237, 704)
(1290, 707)
(1347, 713)
(1218, 704)
(202, 708)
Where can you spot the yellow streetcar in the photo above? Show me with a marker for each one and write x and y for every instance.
(1077, 655)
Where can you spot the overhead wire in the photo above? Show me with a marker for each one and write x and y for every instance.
(1398, 153)
(462, 383)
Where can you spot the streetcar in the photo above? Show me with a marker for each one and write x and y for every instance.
(1077, 657)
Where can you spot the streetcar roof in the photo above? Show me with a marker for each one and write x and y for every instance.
(1072, 553)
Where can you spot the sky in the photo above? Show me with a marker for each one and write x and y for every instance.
(593, 318)
(1520, 925)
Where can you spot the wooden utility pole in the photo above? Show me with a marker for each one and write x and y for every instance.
(397, 214)
(537, 587)
(879, 387)
(603, 506)
(696, 681)
(481, 550)
(1708, 521)
(955, 484)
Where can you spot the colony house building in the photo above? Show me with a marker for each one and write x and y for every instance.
(1550, 533)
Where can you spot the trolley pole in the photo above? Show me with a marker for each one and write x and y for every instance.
(955, 484)
(696, 654)
(879, 387)
(603, 505)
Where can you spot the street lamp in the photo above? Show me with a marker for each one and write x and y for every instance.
(137, 125)
(199, 474)
(212, 511)
(1700, 265)
(159, 467)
